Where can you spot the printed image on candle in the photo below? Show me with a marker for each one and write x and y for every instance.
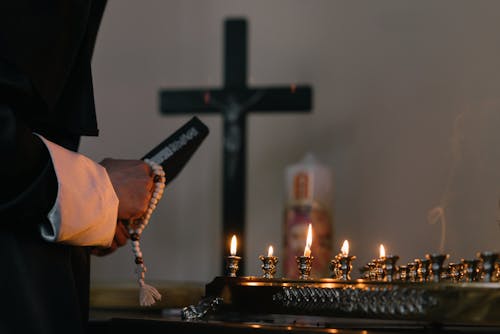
(309, 190)
(296, 224)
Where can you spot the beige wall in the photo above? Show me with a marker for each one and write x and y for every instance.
(406, 111)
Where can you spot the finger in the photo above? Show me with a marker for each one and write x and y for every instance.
(120, 235)
(100, 251)
(123, 225)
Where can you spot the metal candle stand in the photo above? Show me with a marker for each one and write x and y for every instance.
(372, 270)
(268, 265)
(488, 260)
(470, 270)
(436, 266)
(379, 269)
(455, 272)
(389, 267)
(423, 269)
(403, 273)
(341, 267)
(304, 264)
(232, 265)
(334, 267)
(485, 268)
(382, 293)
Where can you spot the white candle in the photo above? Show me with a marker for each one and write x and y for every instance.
(307, 250)
(270, 251)
(233, 245)
(382, 251)
(345, 248)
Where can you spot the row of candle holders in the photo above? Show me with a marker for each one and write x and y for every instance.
(485, 268)
(431, 268)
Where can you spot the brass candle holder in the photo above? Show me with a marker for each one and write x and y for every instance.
(304, 264)
(436, 266)
(345, 266)
(412, 268)
(455, 272)
(268, 265)
(232, 265)
(372, 270)
(488, 263)
(423, 269)
(403, 273)
(389, 267)
(470, 270)
(334, 267)
(379, 269)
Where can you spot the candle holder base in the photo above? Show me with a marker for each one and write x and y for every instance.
(268, 265)
(345, 267)
(232, 265)
(304, 264)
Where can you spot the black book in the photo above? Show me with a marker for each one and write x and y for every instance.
(174, 152)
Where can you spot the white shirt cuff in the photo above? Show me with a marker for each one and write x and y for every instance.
(86, 208)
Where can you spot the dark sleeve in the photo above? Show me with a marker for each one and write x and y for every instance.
(42, 38)
(29, 183)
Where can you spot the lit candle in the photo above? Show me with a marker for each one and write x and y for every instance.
(233, 245)
(307, 250)
(345, 248)
(269, 263)
(382, 251)
(232, 261)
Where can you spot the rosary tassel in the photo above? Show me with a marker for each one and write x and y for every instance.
(148, 295)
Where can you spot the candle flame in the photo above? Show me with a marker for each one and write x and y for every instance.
(270, 251)
(307, 250)
(233, 245)
(345, 248)
(382, 251)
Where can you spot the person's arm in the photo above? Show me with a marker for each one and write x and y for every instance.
(69, 197)
(72, 197)
(85, 210)
(28, 181)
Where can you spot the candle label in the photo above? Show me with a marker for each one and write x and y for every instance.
(309, 192)
(297, 221)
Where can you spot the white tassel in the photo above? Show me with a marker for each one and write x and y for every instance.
(148, 295)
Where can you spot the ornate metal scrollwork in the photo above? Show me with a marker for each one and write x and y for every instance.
(205, 306)
(387, 300)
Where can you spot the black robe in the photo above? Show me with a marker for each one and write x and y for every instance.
(45, 87)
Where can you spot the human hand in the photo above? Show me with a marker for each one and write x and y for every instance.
(133, 184)
(119, 240)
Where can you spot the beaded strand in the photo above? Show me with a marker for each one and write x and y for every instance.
(148, 294)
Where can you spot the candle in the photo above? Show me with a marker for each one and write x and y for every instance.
(232, 261)
(345, 248)
(382, 251)
(307, 250)
(269, 263)
(233, 245)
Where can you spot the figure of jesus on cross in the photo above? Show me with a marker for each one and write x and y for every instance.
(234, 101)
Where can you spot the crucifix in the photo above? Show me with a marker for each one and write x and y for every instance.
(234, 101)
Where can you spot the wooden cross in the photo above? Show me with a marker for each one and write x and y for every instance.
(234, 101)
